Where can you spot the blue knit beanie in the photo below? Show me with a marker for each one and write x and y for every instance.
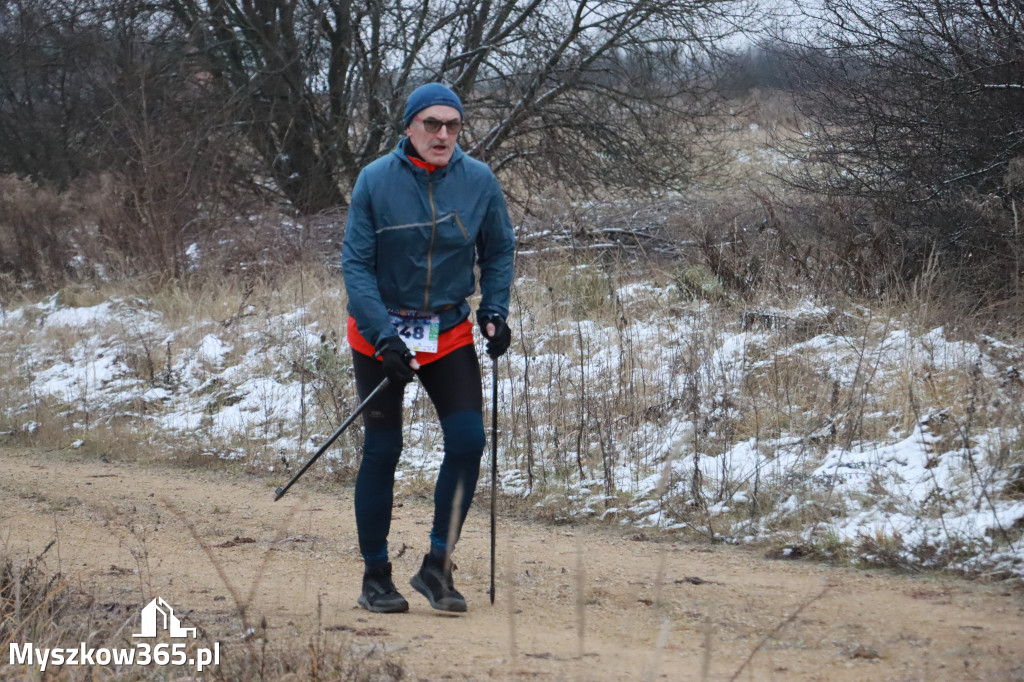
(427, 96)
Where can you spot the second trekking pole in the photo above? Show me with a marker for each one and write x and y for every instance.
(279, 493)
(494, 465)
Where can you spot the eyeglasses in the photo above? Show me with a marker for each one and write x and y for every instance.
(432, 125)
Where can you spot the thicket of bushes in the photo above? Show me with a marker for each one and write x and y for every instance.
(127, 149)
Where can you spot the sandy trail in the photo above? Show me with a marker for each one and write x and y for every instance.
(649, 610)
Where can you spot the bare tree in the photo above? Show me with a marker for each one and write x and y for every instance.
(596, 90)
(48, 98)
(588, 93)
(918, 109)
(90, 87)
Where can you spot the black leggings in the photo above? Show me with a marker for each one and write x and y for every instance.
(453, 384)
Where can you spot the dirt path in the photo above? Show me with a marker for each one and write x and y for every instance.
(650, 610)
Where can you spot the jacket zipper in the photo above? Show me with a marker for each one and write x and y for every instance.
(430, 250)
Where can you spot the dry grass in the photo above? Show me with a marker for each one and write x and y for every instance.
(614, 360)
(43, 607)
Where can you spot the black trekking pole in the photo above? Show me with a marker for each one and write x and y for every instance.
(279, 493)
(494, 465)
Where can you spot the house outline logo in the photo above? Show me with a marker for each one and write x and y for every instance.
(158, 614)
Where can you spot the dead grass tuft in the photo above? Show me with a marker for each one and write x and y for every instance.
(41, 607)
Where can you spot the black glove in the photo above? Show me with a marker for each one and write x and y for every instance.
(499, 343)
(396, 356)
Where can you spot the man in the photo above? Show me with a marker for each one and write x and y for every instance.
(420, 218)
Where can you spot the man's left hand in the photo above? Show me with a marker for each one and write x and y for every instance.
(497, 332)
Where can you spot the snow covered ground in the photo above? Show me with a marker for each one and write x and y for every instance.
(854, 436)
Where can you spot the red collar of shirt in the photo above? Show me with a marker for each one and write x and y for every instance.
(429, 167)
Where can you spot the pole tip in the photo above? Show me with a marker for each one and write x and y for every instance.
(278, 494)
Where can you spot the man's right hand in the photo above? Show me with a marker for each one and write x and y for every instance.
(399, 361)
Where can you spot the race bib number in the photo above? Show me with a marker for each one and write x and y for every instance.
(418, 330)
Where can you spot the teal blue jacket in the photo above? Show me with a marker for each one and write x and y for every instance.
(412, 239)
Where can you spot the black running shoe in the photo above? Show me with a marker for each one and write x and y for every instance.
(434, 581)
(379, 592)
